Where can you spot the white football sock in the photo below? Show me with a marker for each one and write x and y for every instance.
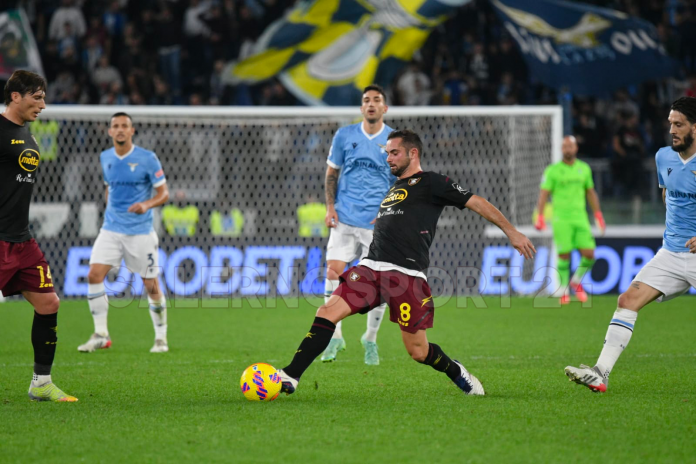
(99, 307)
(158, 313)
(39, 380)
(329, 287)
(617, 338)
(374, 319)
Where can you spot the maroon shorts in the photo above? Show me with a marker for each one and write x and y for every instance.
(23, 267)
(409, 298)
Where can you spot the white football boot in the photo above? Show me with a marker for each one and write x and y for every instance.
(160, 346)
(591, 377)
(95, 342)
(468, 383)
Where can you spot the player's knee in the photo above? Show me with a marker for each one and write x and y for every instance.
(588, 254)
(94, 276)
(52, 304)
(331, 274)
(326, 312)
(418, 352)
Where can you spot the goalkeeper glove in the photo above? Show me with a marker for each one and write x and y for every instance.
(540, 224)
(599, 221)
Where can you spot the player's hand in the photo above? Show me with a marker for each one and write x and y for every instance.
(540, 224)
(138, 208)
(599, 221)
(331, 219)
(522, 244)
(691, 245)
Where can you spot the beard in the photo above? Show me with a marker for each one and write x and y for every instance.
(400, 169)
(687, 141)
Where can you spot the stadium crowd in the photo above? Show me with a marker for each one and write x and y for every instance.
(172, 52)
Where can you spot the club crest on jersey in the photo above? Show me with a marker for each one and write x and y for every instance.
(132, 166)
(354, 276)
(694, 172)
(414, 181)
(394, 197)
(29, 160)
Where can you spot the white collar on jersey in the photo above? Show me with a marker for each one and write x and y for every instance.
(374, 135)
(131, 151)
(684, 161)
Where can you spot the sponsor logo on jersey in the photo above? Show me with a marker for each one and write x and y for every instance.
(29, 160)
(133, 166)
(414, 181)
(16, 142)
(461, 190)
(425, 300)
(390, 212)
(159, 173)
(354, 276)
(394, 197)
(26, 178)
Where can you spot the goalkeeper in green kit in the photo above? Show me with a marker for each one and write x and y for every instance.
(569, 182)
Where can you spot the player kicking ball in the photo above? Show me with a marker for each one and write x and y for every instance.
(673, 269)
(394, 270)
(569, 182)
(23, 266)
(130, 174)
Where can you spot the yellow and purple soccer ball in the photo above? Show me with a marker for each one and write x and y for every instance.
(260, 382)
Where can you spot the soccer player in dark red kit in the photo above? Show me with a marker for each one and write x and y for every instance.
(394, 269)
(23, 267)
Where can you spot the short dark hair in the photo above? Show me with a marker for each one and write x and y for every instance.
(119, 114)
(24, 82)
(376, 88)
(687, 107)
(409, 139)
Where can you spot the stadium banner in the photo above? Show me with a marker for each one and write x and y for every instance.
(326, 51)
(589, 50)
(18, 48)
(285, 270)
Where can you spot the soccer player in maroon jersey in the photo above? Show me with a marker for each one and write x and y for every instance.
(394, 269)
(23, 267)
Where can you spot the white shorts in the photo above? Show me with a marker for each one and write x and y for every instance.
(138, 251)
(348, 243)
(670, 273)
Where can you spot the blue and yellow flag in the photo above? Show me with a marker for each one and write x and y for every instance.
(326, 51)
(587, 49)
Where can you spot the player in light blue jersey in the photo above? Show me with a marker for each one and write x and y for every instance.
(130, 174)
(673, 269)
(357, 179)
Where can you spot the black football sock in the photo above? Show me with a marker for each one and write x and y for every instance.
(44, 337)
(314, 343)
(438, 360)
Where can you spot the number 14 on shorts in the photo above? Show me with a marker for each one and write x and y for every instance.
(43, 277)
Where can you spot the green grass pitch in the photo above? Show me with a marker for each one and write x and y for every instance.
(186, 405)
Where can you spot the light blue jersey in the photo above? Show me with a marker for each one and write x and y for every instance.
(365, 175)
(679, 178)
(130, 179)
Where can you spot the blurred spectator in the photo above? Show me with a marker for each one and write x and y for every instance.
(629, 151)
(169, 50)
(455, 90)
(114, 20)
(590, 133)
(106, 75)
(61, 89)
(68, 41)
(478, 66)
(414, 86)
(67, 13)
(91, 54)
(508, 91)
(114, 95)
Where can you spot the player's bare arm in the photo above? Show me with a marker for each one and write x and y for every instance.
(330, 188)
(541, 204)
(664, 196)
(519, 241)
(160, 198)
(593, 200)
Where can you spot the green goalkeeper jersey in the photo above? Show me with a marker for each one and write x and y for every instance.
(568, 186)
